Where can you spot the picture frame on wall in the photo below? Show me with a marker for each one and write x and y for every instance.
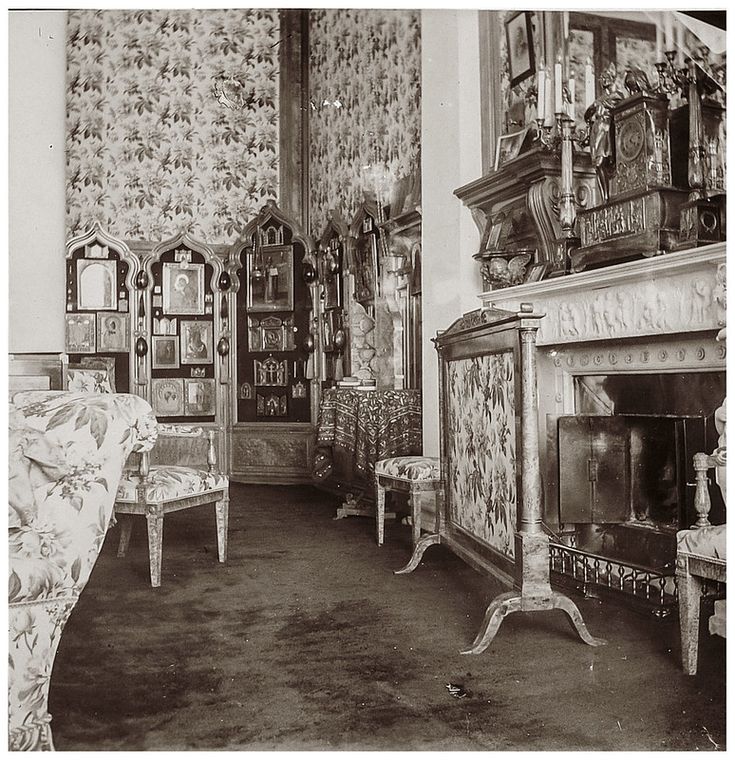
(196, 342)
(112, 332)
(165, 353)
(183, 288)
(96, 285)
(167, 396)
(270, 279)
(519, 37)
(199, 397)
(79, 335)
(509, 146)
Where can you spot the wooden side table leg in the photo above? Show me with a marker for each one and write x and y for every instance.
(155, 546)
(379, 511)
(415, 516)
(221, 512)
(690, 594)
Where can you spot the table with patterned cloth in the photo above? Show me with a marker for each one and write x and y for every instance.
(358, 428)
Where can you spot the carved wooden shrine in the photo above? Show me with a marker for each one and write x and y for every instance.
(488, 400)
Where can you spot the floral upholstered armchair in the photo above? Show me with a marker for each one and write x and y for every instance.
(66, 457)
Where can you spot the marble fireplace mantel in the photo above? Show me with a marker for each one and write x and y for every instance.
(682, 292)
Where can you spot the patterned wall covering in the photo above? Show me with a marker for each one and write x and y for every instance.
(150, 150)
(481, 448)
(365, 92)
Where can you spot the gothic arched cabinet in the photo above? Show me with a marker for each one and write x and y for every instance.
(273, 394)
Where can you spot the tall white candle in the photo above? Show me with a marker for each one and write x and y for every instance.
(571, 104)
(668, 31)
(541, 95)
(548, 99)
(659, 44)
(558, 100)
(589, 84)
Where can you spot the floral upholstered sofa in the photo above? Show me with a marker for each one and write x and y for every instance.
(66, 456)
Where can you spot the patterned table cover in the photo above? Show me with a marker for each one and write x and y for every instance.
(362, 427)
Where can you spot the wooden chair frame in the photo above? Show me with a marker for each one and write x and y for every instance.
(155, 511)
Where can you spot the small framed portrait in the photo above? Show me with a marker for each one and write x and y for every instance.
(509, 146)
(537, 272)
(165, 352)
(519, 36)
(270, 279)
(183, 288)
(167, 396)
(199, 397)
(96, 284)
(196, 342)
(112, 332)
(80, 334)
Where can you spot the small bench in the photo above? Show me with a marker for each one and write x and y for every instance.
(411, 474)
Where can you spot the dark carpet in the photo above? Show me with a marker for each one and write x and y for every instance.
(305, 640)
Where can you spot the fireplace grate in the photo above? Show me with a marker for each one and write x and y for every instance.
(654, 590)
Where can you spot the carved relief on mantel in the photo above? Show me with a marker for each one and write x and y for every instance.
(676, 293)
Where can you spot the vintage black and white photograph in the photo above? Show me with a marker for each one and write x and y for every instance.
(270, 280)
(80, 333)
(167, 396)
(96, 284)
(165, 352)
(367, 379)
(183, 288)
(196, 342)
(112, 332)
(199, 397)
(519, 38)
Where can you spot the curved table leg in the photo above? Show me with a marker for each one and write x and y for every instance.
(562, 602)
(418, 552)
(500, 607)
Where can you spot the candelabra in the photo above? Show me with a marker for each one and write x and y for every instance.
(560, 137)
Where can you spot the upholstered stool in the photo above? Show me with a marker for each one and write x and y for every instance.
(412, 474)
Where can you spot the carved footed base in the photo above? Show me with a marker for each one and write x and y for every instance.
(513, 601)
(418, 552)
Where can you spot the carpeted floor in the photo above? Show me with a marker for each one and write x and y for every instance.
(305, 640)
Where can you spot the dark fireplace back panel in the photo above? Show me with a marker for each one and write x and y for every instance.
(631, 469)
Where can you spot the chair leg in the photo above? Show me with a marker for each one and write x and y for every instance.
(380, 512)
(690, 594)
(155, 547)
(415, 516)
(126, 528)
(222, 513)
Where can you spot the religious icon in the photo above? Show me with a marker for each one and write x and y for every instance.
(183, 288)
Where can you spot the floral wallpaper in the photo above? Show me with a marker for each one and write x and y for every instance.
(481, 483)
(365, 106)
(152, 148)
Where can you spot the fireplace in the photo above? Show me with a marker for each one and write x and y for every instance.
(630, 372)
(626, 478)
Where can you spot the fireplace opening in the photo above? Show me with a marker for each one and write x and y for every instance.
(626, 478)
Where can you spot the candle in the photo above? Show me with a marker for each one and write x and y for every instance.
(548, 99)
(589, 84)
(659, 44)
(571, 104)
(668, 31)
(679, 31)
(541, 95)
(558, 101)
